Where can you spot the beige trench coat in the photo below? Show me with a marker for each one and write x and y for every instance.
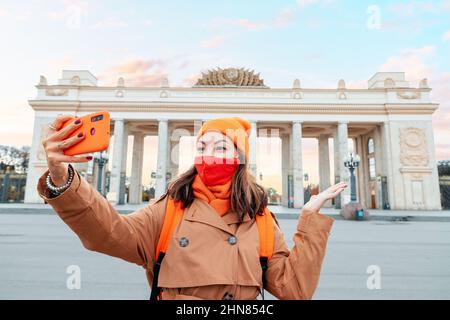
(209, 267)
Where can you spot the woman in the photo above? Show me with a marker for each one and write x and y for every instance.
(220, 200)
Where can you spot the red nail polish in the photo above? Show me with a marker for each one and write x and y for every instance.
(78, 121)
(89, 157)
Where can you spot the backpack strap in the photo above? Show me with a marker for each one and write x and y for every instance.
(172, 217)
(266, 233)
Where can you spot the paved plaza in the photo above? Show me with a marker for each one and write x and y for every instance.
(413, 258)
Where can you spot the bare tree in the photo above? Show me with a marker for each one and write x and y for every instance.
(16, 158)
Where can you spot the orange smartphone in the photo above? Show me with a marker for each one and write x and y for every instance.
(95, 127)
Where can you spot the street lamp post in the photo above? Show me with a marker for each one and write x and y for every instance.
(352, 162)
(307, 190)
(353, 209)
(101, 159)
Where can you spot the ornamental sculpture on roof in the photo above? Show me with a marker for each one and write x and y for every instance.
(230, 77)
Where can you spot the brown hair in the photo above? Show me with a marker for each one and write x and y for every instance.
(247, 196)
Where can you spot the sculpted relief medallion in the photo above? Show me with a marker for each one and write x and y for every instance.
(408, 95)
(230, 77)
(231, 74)
(413, 147)
(56, 92)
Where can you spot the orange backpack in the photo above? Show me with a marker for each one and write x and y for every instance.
(172, 217)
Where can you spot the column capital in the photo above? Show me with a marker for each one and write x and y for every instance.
(297, 121)
(343, 122)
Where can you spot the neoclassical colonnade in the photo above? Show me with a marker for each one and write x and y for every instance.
(389, 125)
(290, 133)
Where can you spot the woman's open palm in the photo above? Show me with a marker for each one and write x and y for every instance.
(316, 202)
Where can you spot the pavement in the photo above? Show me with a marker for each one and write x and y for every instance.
(410, 258)
(280, 211)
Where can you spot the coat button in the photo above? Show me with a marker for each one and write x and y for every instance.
(232, 240)
(184, 242)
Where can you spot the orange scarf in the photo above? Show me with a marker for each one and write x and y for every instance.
(217, 196)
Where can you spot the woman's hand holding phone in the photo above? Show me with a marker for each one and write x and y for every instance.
(54, 143)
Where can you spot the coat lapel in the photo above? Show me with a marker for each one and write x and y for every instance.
(201, 211)
(232, 218)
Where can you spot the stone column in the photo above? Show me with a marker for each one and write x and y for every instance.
(361, 172)
(324, 165)
(285, 168)
(197, 126)
(123, 169)
(37, 163)
(136, 169)
(297, 164)
(116, 179)
(161, 167)
(337, 177)
(341, 172)
(378, 166)
(253, 143)
(169, 163)
(386, 161)
(173, 150)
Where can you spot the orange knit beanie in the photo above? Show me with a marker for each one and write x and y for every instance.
(235, 128)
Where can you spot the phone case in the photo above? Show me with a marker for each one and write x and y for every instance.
(96, 127)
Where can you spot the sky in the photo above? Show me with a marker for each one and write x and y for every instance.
(316, 41)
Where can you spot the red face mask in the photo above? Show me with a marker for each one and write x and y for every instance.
(213, 170)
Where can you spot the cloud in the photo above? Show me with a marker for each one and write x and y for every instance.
(247, 24)
(414, 8)
(305, 3)
(109, 23)
(145, 80)
(134, 66)
(23, 16)
(56, 64)
(356, 84)
(446, 36)
(73, 13)
(191, 79)
(283, 18)
(183, 64)
(414, 16)
(213, 42)
(308, 3)
(148, 23)
(136, 72)
(411, 61)
(440, 84)
(446, 5)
